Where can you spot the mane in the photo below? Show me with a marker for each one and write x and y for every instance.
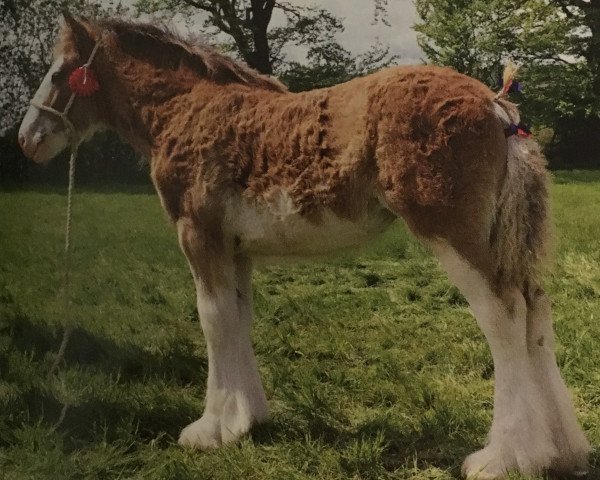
(160, 45)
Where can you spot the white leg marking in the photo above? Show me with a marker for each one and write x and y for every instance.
(235, 398)
(568, 436)
(534, 426)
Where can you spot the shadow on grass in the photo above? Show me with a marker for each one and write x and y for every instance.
(109, 420)
(142, 386)
(158, 412)
(431, 445)
(423, 449)
(179, 365)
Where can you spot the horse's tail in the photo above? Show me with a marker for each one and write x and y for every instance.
(521, 232)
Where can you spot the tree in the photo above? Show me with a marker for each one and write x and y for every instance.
(585, 17)
(333, 64)
(262, 46)
(25, 42)
(556, 42)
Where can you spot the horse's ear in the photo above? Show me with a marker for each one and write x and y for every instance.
(83, 40)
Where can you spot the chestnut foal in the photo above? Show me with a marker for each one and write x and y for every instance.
(246, 169)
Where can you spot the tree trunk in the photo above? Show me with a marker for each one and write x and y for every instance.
(261, 16)
(592, 16)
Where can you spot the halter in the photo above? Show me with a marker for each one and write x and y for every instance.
(73, 137)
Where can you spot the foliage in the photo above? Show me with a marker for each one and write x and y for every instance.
(477, 37)
(333, 64)
(263, 46)
(553, 41)
(24, 53)
(372, 363)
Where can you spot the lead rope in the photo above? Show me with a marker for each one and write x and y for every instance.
(68, 326)
(67, 323)
(74, 144)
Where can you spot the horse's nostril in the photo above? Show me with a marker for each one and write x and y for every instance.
(30, 143)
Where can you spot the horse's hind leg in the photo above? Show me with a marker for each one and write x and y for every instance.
(534, 427)
(235, 398)
(572, 444)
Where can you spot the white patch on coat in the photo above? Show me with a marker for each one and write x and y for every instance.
(43, 92)
(277, 229)
(534, 426)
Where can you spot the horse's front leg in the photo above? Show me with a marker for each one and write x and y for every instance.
(235, 399)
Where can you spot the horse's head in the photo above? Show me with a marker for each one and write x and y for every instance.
(68, 106)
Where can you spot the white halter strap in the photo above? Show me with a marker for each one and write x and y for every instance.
(64, 114)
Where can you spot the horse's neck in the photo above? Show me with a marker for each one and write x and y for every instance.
(146, 101)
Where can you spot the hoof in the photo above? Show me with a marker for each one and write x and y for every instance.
(203, 434)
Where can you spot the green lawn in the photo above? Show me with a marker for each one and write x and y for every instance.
(373, 365)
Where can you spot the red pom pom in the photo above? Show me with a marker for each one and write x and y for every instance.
(83, 82)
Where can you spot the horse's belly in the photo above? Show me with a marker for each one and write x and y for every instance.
(279, 230)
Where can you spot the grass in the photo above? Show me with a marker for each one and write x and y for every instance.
(372, 363)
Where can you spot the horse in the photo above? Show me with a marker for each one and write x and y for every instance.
(248, 171)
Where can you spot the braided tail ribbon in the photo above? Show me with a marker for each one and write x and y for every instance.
(509, 84)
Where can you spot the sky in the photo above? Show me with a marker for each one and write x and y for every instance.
(360, 33)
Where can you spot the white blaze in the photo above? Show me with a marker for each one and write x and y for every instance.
(42, 134)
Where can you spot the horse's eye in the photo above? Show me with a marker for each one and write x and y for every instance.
(56, 76)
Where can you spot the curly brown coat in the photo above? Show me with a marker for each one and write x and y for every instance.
(246, 169)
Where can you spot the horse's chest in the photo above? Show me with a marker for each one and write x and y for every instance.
(278, 229)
